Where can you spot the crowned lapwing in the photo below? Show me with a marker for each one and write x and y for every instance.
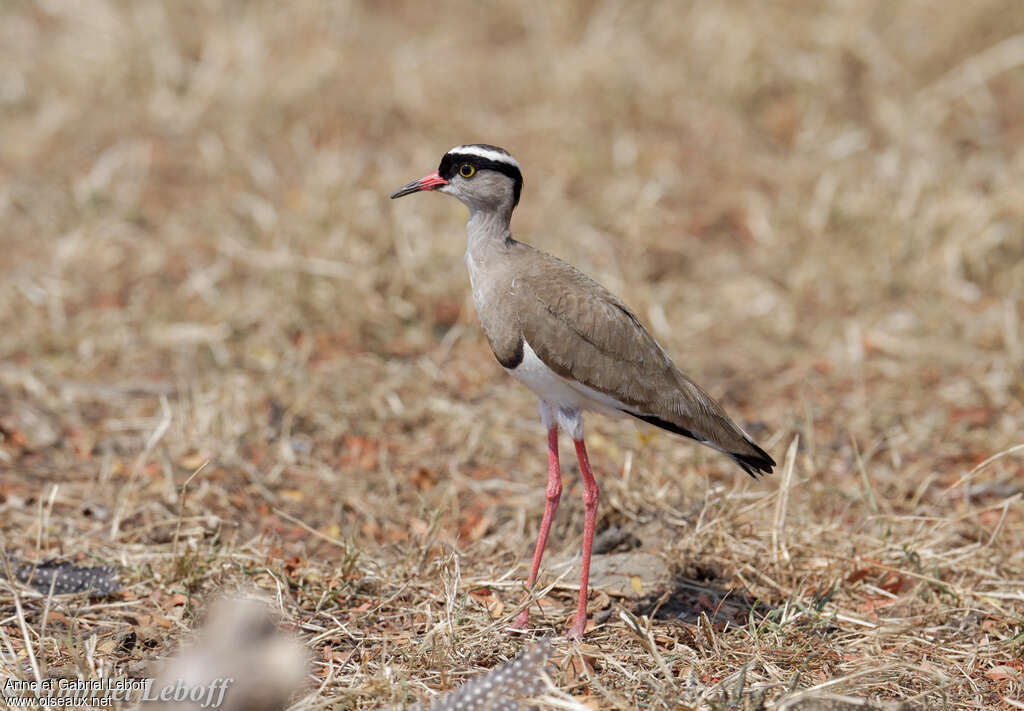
(570, 340)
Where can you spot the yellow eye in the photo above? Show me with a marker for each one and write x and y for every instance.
(467, 171)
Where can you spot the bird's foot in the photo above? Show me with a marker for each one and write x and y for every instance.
(522, 621)
(579, 627)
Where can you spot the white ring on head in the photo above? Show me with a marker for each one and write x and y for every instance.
(486, 154)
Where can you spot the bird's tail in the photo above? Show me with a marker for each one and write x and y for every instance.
(744, 451)
(754, 462)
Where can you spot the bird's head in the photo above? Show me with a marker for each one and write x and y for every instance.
(483, 177)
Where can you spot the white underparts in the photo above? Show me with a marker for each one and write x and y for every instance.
(565, 399)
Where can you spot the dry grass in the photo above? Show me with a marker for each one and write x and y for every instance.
(818, 207)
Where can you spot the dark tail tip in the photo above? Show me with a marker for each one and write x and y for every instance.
(754, 464)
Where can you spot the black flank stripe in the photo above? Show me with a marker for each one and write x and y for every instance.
(666, 425)
(513, 359)
(752, 464)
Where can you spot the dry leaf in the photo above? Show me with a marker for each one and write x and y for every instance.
(576, 667)
(291, 494)
(174, 601)
(1002, 672)
(193, 461)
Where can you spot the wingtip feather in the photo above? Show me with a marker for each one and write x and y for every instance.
(754, 464)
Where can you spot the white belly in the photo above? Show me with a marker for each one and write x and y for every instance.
(561, 393)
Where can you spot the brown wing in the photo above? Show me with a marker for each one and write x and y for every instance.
(585, 333)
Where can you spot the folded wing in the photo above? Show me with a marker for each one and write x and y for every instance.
(586, 334)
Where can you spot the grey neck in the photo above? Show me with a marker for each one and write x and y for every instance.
(487, 228)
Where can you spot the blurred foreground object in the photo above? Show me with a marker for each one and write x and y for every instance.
(500, 689)
(67, 578)
(241, 651)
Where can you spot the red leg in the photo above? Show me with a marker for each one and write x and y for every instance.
(591, 494)
(553, 494)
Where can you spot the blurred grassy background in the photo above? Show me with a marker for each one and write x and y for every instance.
(817, 207)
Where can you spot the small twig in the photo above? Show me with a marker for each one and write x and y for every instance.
(643, 633)
(46, 605)
(44, 518)
(779, 531)
(24, 634)
(90, 652)
(309, 529)
(140, 462)
(970, 474)
(864, 476)
(181, 507)
(999, 526)
(978, 69)
(10, 648)
(452, 592)
(154, 438)
(704, 626)
(833, 682)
